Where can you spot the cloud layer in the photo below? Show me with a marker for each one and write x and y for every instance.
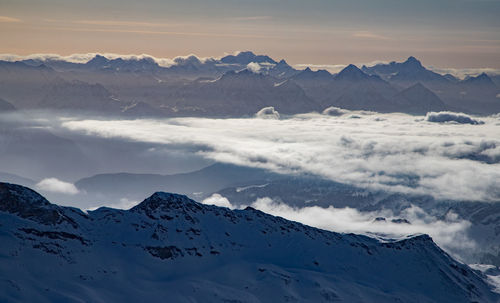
(392, 152)
(449, 232)
(85, 57)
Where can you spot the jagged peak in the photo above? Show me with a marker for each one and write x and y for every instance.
(191, 59)
(351, 72)
(411, 58)
(282, 62)
(351, 68)
(245, 53)
(308, 72)
(483, 76)
(323, 72)
(482, 79)
(413, 61)
(98, 59)
(246, 57)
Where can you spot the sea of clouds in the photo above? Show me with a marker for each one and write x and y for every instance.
(392, 152)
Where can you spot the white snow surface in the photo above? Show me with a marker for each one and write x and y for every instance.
(172, 248)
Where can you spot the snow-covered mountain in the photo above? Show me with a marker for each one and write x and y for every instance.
(410, 70)
(282, 70)
(300, 192)
(171, 248)
(353, 89)
(243, 58)
(307, 76)
(152, 87)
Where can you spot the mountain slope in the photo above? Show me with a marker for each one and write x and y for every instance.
(240, 93)
(172, 247)
(23, 84)
(410, 71)
(199, 184)
(418, 99)
(243, 58)
(353, 89)
(79, 95)
(6, 106)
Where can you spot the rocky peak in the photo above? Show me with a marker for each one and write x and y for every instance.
(351, 72)
(481, 80)
(97, 61)
(282, 63)
(167, 202)
(246, 57)
(412, 61)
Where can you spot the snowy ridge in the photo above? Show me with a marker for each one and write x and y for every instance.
(172, 247)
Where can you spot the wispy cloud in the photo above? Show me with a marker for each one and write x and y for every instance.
(218, 200)
(6, 19)
(125, 23)
(160, 32)
(85, 57)
(251, 18)
(123, 203)
(369, 35)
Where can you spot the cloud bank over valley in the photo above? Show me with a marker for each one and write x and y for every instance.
(390, 152)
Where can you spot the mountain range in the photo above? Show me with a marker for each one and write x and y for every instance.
(228, 86)
(169, 246)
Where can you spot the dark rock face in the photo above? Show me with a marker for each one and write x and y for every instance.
(28, 204)
(167, 252)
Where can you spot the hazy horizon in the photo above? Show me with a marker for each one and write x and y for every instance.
(460, 73)
(445, 33)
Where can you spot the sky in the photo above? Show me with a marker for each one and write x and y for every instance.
(442, 33)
